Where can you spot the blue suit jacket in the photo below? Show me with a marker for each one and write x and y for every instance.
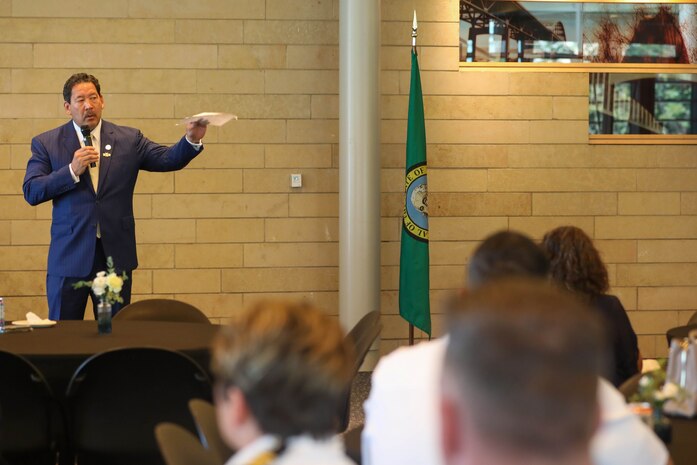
(76, 208)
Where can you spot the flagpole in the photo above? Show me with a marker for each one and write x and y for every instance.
(414, 27)
(414, 281)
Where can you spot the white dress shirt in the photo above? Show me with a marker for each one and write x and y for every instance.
(300, 450)
(94, 135)
(403, 426)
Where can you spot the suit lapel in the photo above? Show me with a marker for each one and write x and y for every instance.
(106, 141)
(71, 143)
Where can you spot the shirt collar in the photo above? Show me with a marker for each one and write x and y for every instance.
(253, 450)
(95, 132)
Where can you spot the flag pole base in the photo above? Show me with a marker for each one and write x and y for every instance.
(411, 334)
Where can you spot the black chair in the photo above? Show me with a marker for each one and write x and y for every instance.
(31, 419)
(180, 447)
(693, 319)
(207, 428)
(352, 442)
(116, 399)
(161, 310)
(361, 337)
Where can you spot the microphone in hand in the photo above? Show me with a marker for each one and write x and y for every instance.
(88, 140)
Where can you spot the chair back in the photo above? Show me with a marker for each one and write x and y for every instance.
(116, 399)
(352, 442)
(630, 386)
(161, 310)
(207, 428)
(361, 337)
(179, 447)
(693, 319)
(29, 413)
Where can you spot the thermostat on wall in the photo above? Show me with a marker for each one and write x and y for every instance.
(296, 180)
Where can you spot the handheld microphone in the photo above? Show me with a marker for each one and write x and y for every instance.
(88, 140)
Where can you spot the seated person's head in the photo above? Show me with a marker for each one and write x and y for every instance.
(506, 254)
(281, 368)
(520, 377)
(575, 263)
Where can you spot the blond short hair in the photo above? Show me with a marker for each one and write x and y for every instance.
(292, 363)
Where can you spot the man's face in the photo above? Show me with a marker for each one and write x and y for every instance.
(85, 106)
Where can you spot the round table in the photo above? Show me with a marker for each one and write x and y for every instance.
(57, 351)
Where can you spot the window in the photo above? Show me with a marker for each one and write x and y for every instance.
(578, 33)
(643, 104)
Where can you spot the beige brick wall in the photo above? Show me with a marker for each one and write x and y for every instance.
(506, 150)
(510, 150)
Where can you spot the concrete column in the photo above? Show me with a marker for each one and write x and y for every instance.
(359, 159)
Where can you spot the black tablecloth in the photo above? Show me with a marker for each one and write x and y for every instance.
(683, 446)
(59, 350)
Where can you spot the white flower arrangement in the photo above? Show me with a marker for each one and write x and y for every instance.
(106, 285)
(669, 391)
(654, 389)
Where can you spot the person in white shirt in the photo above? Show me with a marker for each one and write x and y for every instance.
(281, 371)
(402, 420)
(519, 382)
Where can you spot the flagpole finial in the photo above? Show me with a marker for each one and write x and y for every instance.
(414, 27)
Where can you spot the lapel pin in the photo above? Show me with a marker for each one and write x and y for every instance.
(107, 147)
(106, 154)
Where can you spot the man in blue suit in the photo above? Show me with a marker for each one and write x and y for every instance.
(93, 206)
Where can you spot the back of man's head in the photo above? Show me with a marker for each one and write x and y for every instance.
(521, 372)
(292, 364)
(506, 254)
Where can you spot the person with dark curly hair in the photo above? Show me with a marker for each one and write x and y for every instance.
(575, 264)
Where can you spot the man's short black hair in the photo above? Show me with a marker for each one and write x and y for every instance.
(506, 254)
(77, 79)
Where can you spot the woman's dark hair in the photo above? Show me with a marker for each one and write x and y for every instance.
(575, 263)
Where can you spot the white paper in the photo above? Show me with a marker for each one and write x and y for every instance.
(212, 118)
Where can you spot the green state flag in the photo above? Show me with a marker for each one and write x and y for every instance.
(413, 260)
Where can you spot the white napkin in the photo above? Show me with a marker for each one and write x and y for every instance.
(33, 318)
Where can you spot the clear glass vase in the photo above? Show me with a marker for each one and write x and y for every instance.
(104, 318)
(661, 424)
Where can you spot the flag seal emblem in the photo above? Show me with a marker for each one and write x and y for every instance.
(416, 205)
